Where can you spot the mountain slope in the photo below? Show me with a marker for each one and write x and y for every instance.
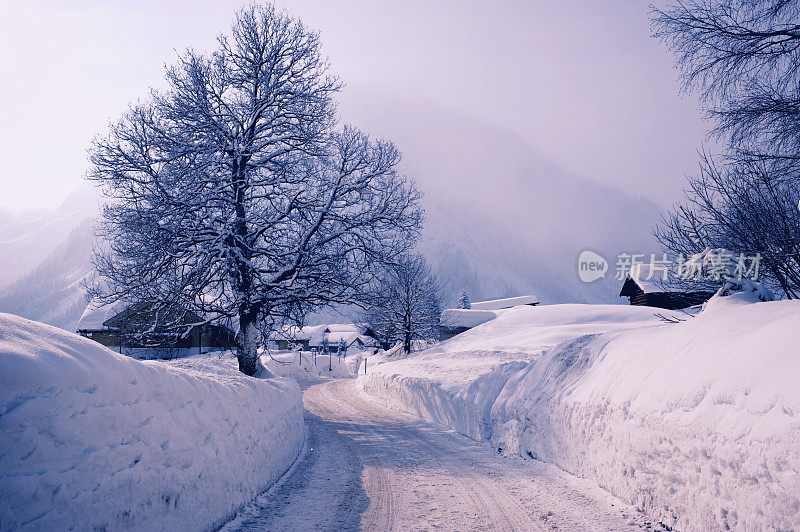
(503, 219)
(28, 238)
(52, 292)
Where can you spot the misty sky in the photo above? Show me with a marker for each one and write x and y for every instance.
(583, 82)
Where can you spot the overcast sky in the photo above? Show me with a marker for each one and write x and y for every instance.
(581, 81)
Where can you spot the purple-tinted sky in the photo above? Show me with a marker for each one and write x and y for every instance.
(582, 81)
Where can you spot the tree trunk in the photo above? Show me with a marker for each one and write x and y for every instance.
(247, 344)
(407, 342)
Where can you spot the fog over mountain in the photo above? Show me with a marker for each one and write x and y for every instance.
(53, 292)
(44, 257)
(501, 218)
(28, 238)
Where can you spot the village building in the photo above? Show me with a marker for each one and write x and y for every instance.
(458, 320)
(292, 337)
(646, 288)
(140, 330)
(320, 337)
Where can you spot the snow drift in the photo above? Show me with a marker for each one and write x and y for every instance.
(696, 423)
(90, 439)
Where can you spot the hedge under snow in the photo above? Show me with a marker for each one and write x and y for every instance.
(696, 423)
(90, 439)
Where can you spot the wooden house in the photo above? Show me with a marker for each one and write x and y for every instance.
(641, 287)
(145, 330)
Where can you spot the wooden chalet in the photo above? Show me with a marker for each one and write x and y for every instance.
(147, 330)
(645, 289)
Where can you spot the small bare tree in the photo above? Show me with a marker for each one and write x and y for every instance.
(233, 193)
(407, 305)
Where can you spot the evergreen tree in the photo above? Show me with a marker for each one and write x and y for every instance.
(463, 299)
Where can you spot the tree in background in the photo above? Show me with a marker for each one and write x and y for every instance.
(233, 193)
(743, 56)
(406, 305)
(463, 299)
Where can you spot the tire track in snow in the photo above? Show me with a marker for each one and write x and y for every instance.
(374, 468)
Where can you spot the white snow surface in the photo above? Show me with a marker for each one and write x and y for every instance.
(96, 314)
(305, 368)
(465, 317)
(518, 334)
(91, 440)
(696, 423)
(507, 302)
(650, 280)
(369, 467)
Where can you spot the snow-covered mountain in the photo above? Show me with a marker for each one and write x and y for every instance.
(53, 292)
(502, 218)
(44, 256)
(28, 238)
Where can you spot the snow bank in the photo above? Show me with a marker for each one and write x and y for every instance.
(518, 334)
(696, 423)
(90, 439)
(302, 367)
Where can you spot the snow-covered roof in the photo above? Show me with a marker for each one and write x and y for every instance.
(481, 311)
(650, 283)
(310, 332)
(343, 327)
(314, 334)
(335, 338)
(291, 332)
(96, 314)
(469, 317)
(508, 302)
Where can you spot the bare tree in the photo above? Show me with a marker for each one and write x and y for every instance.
(740, 206)
(743, 56)
(407, 303)
(233, 194)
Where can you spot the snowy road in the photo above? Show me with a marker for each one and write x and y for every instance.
(369, 467)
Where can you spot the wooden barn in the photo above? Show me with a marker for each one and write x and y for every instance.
(136, 329)
(644, 289)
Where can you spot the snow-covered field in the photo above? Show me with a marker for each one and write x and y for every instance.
(93, 440)
(697, 423)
